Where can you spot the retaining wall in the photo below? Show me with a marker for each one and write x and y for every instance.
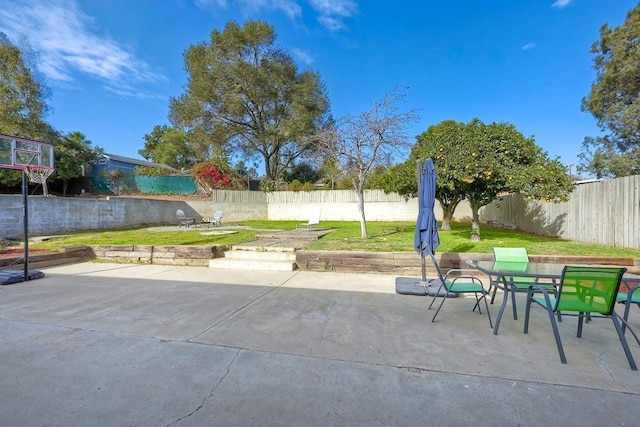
(57, 215)
(165, 255)
(404, 263)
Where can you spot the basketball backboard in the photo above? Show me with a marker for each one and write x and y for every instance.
(16, 153)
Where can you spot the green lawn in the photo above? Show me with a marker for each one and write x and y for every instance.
(383, 237)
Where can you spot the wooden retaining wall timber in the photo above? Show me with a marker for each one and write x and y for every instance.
(165, 255)
(409, 262)
(68, 255)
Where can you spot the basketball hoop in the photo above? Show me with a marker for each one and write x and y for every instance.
(36, 162)
(38, 174)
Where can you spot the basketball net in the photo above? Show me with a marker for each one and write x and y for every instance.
(38, 175)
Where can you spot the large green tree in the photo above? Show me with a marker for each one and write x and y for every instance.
(169, 146)
(615, 102)
(477, 162)
(22, 102)
(73, 153)
(247, 94)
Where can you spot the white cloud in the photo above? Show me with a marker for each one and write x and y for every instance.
(529, 46)
(62, 36)
(288, 7)
(211, 3)
(561, 3)
(331, 13)
(302, 56)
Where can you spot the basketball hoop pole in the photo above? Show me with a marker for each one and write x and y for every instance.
(25, 192)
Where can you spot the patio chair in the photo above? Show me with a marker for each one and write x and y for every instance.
(184, 220)
(314, 219)
(506, 255)
(217, 218)
(585, 292)
(460, 281)
(632, 296)
(519, 257)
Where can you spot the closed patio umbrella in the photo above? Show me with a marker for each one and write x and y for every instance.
(426, 239)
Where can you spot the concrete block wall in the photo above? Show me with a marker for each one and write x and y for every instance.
(236, 205)
(48, 215)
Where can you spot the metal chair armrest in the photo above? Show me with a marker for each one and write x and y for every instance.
(544, 292)
(462, 273)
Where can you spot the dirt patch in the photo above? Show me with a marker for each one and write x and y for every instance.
(19, 252)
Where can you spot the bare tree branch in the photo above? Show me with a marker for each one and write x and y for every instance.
(360, 142)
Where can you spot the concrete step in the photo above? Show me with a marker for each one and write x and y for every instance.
(252, 264)
(269, 246)
(260, 256)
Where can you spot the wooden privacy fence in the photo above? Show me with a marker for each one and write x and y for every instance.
(605, 212)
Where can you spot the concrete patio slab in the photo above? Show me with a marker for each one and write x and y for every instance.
(119, 344)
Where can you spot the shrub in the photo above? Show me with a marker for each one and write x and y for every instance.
(217, 176)
(345, 184)
(295, 185)
(308, 186)
(151, 171)
(267, 185)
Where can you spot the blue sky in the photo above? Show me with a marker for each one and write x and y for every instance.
(112, 65)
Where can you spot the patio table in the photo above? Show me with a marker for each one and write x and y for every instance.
(506, 271)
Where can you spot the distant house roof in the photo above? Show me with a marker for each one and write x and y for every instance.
(138, 162)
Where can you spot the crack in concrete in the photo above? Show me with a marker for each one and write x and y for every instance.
(604, 366)
(211, 393)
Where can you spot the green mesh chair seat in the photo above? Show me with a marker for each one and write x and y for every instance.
(460, 281)
(584, 291)
(628, 299)
(514, 259)
(624, 297)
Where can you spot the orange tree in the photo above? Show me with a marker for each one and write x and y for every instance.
(477, 162)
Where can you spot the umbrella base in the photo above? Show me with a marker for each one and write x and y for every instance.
(433, 289)
(414, 286)
(9, 276)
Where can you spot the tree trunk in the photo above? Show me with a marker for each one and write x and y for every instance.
(268, 167)
(447, 213)
(447, 216)
(475, 222)
(363, 221)
(65, 185)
